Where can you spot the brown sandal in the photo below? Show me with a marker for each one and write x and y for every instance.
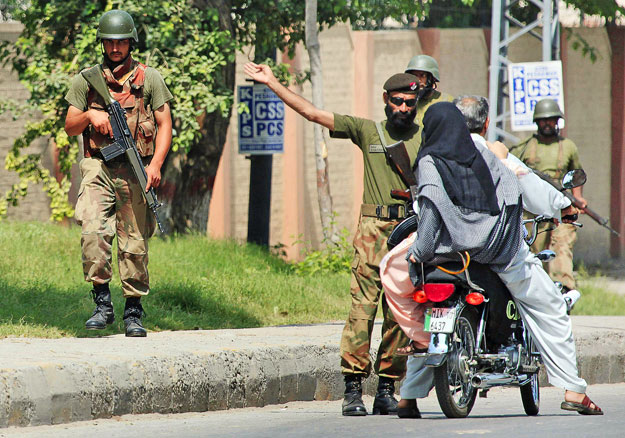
(410, 349)
(582, 408)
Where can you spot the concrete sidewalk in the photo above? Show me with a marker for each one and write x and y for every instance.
(62, 380)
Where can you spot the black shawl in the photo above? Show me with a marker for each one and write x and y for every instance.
(465, 175)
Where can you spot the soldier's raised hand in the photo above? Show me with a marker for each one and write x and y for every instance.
(259, 72)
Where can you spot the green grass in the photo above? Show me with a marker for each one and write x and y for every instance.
(597, 297)
(196, 283)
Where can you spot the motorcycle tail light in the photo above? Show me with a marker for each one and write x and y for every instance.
(437, 292)
(420, 296)
(474, 298)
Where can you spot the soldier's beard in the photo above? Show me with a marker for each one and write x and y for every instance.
(547, 131)
(399, 119)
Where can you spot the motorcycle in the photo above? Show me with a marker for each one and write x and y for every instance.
(477, 339)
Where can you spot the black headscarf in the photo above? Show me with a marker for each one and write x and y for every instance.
(466, 177)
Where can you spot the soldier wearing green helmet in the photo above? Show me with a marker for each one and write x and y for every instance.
(548, 152)
(117, 25)
(110, 202)
(425, 68)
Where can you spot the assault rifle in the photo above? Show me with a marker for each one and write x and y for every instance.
(577, 203)
(123, 141)
(398, 155)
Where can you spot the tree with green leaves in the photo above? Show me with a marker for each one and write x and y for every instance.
(189, 42)
(193, 43)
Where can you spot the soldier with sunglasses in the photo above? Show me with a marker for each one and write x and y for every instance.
(379, 214)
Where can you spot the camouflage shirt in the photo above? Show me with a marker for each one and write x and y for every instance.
(379, 177)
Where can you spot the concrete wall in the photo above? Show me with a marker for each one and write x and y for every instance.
(35, 206)
(356, 64)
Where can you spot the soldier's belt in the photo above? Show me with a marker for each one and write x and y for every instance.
(395, 211)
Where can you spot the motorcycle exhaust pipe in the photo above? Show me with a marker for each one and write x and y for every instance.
(483, 381)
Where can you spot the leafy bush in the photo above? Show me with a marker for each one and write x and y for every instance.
(334, 257)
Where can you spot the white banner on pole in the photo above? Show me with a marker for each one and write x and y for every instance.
(528, 83)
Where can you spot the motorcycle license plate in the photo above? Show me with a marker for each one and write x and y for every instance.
(440, 319)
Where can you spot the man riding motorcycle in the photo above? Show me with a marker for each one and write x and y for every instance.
(470, 196)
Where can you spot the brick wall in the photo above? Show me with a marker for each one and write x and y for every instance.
(35, 206)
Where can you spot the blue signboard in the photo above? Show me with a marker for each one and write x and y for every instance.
(530, 82)
(261, 131)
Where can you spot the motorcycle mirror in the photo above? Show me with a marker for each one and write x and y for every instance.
(574, 178)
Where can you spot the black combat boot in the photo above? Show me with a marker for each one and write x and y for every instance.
(103, 313)
(385, 403)
(352, 403)
(132, 318)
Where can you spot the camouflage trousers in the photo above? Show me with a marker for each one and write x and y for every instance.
(110, 203)
(561, 241)
(366, 290)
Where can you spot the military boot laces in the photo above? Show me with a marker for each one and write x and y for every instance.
(352, 403)
(103, 313)
(132, 318)
(385, 403)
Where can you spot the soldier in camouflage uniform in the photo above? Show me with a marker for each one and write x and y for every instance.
(425, 68)
(548, 152)
(379, 214)
(110, 201)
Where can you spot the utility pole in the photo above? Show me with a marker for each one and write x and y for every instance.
(261, 164)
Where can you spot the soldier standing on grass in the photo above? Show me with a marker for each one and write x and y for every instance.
(425, 68)
(379, 215)
(549, 153)
(110, 201)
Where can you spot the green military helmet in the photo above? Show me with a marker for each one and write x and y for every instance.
(424, 63)
(547, 108)
(117, 25)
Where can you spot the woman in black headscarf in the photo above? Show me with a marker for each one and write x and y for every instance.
(467, 201)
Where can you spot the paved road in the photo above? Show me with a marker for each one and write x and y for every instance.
(500, 415)
(53, 381)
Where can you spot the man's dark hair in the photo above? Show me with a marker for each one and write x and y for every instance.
(475, 111)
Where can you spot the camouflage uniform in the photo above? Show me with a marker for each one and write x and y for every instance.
(370, 248)
(554, 159)
(110, 201)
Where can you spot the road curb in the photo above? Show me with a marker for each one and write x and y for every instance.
(59, 381)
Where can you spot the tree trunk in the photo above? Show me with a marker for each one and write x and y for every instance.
(321, 153)
(188, 178)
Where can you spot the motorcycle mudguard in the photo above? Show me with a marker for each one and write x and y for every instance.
(503, 317)
(401, 231)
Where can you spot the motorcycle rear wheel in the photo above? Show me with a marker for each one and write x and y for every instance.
(530, 392)
(454, 391)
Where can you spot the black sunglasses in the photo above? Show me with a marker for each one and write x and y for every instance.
(395, 100)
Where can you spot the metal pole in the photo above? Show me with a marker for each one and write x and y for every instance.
(261, 166)
(500, 42)
(547, 37)
(495, 68)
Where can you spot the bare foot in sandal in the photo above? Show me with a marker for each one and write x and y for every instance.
(580, 403)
